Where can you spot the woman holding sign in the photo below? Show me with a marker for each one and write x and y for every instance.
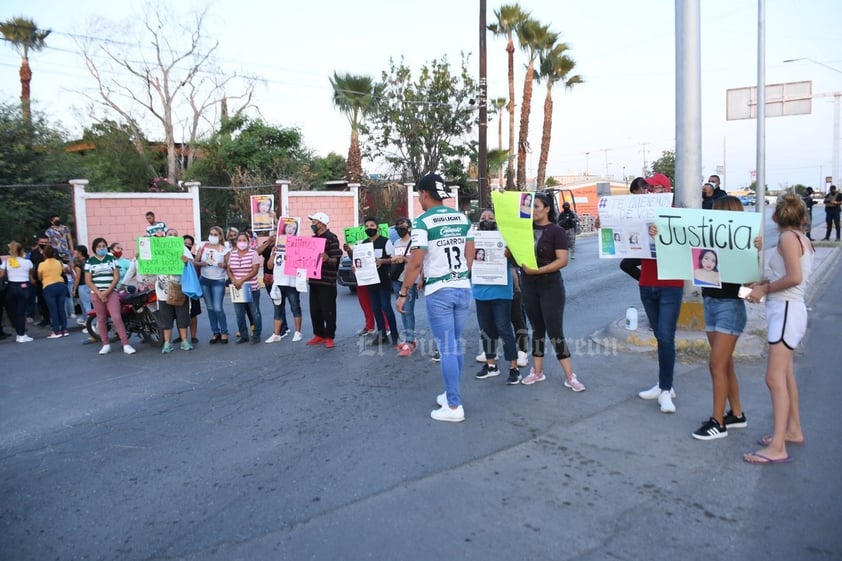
(211, 258)
(543, 293)
(243, 264)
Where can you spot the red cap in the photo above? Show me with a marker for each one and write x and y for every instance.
(661, 180)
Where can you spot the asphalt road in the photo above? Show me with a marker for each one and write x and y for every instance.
(288, 452)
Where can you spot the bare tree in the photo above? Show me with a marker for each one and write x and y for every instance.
(176, 76)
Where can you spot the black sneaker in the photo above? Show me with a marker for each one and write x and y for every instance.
(514, 377)
(487, 371)
(710, 430)
(734, 422)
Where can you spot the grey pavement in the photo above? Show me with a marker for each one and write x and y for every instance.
(281, 451)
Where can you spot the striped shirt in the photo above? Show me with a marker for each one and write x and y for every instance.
(240, 266)
(443, 233)
(101, 270)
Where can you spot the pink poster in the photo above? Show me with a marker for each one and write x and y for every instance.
(304, 253)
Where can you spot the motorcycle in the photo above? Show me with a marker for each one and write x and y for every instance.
(137, 317)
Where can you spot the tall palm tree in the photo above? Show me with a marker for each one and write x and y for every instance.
(555, 67)
(534, 37)
(24, 36)
(509, 18)
(355, 96)
(499, 103)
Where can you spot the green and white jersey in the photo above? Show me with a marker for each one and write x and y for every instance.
(443, 233)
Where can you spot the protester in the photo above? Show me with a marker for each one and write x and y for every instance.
(711, 192)
(569, 221)
(725, 320)
(381, 293)
(243, 264)
(786, 276)
(83, 291)
(397, 272)
(173, 304)
(544, 295)
(283, 290)
(50, 274)
(195, 303)
(494, 316)
(127, 282)
(36, 256)
(631, 265)
(832, 209)
(809, 202)
(442, 244)
(155, 227)
(661, 300)
(59, 236)
(20, 275)
(323, 289)
(102, 278)
(210, 258)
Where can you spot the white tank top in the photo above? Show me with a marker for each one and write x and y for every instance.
(776, 269)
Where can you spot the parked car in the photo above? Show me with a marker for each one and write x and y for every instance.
(346, 274)
(748, 200)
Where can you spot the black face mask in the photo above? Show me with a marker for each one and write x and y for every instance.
(370, 232)
(56, 222)
(401, 231)
(487, 225)
(314, 228)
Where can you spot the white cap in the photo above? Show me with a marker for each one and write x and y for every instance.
(321, 217)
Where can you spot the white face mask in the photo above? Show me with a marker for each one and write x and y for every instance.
(213, 240)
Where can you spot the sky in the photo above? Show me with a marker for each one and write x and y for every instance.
(621, 118)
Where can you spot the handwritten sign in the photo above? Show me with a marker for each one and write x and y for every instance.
(160, 256)
(304, 253)
(356, 234)
(730, 234)
(514, 226)
(625, 220)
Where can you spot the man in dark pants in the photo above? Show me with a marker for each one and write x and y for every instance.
(832, 207)
(808, 202)
(37, 256)
(323, 290)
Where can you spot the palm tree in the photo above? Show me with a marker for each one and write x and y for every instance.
(534, 38)
(24, 36)
(499, 103)
(509, 18)
(355, 96)
(555, 67)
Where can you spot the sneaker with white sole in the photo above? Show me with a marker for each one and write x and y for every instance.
(481, 357)
(273, 338)
(105, 349)
(81, 321)
(710, 430)
(522, 359)
(734, 422)
(441, 399)
(445, 413)
(514, 377)
(436, 356)
(129, 350)
(533, 377)
(574, 384)
(296, 337)
(654, 393)
(487, 371)
(665, 401)
(24, 339)
(54, 335)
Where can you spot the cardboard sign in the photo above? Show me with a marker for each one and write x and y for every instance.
(160, 256)
(304, 253)
(515, 225)
(356, 234)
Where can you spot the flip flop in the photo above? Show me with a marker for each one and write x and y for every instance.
(766, 440)
(766, 460)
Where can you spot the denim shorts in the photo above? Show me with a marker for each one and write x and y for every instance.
(725, 315)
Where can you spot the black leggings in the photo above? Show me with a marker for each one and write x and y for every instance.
(543, 297)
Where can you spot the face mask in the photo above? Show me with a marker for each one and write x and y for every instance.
(213, 240)
(117, 254)
(314, 228)
(370, 232)
(56, 222)
(402, 231)
(242, 245)
(102, 252)
(487, 225)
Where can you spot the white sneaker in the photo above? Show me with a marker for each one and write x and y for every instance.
(24, 339)
(481, 357)
(445, 413)
(73, 316)
(296, 337)
(273, 339)
(654, 393)
(522, 359)
(665, 401)
(129, 350)
(81, 321)
(105, 349)
(441, 399)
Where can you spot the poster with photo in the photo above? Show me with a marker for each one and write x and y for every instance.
(262, 213)
(365, 265)
(490, 261)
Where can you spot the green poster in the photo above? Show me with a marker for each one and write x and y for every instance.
(708, 247)
(356, 234)
(160, 256)
(513, 213)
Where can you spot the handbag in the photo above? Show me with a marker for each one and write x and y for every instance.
(175, 296)
(190, 284)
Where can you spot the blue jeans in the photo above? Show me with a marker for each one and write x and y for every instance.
(447, 311)
(257, 319)
(408, 315)
(662, 305)
(213, 292)
(495, 321)
(56, 297)
(291, 295)
(84, 292)
(381, 305)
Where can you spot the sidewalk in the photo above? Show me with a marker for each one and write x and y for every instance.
(692, 344)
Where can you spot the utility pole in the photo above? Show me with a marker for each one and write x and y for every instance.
(482, 173)
(605, 153)
(587, 166)
(645, 163)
